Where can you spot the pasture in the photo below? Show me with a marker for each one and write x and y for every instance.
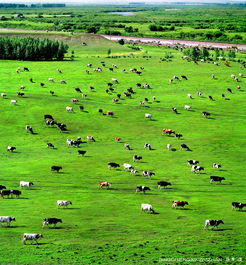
(106, 226)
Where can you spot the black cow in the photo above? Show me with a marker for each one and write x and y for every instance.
(192, 162)
(20, 94)
(77, 89)
(178, 135)
(118, 96)
(238, 205)
(110, 84)
(113, 165)
(50, 145)
(31, 80)
(142, 188)
(51, 221)
(211, 98)
(81, 152)
(26, 69)
(81, 108)
(229, 90)
(41, 84)
(48, 116)
(216, 179)
(214, 223)
(2, 187)
(52, 92)
(184, 146)
(163, 184)
(136, 158)
(5, 193)
(17, 193)
(184, 77)
(56, 168)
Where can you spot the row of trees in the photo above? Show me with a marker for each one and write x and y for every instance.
(31, 49)
(154, 27)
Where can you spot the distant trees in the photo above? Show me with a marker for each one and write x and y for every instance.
(31, 49)
(154, 27)
(195, 53)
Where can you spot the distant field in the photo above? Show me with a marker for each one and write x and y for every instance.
(107, 226)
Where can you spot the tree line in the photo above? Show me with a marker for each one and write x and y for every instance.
(31, 49)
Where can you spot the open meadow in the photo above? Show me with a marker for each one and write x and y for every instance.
(106, 226)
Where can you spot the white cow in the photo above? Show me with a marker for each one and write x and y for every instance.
(63, 203)
(33, 237)
(148, 116)
(13, 101)
(147, 207)
(187, 107)
(26, 184)
(189, 95)
(114, 80)
(6, 219)
(69, 109)
(3, 95)
(128, 166)
(51, 79)
(169, 147)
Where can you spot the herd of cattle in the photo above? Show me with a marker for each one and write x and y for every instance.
(50, 121)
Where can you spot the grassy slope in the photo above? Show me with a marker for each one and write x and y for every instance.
(104, 223)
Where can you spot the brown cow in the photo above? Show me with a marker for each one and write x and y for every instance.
(104, 184)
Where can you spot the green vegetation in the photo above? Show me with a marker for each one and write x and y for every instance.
(107, 226)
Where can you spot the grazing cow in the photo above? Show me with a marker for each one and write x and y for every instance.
(118, 96)
(63, 82)
(69, 109)
(187, 107)
(240, 74)
(163, 184)
(189, 96)
(238, 205)
(91, 88)
(110, 84)
(223, 96)
(50, 145)
(22, 87)
(213, 76)
(147, 146)
(138, 72)
(142, 102)
(90, 138)
(229, 90)
(128, 166)
(142, 188)
(168, 131)
(206, 114)
(27, 184)
(100, 111)
(179, 204)
(5, 193)
(192, 162)
(216, 165)
(51, 221)
(211, 98)
(148, 116)
(11, 148)
(63, 203)
(175, 77)
(6, 219)
(127, 146)
(111, 69)
(154, 98)
(138, 85)
(147, 208)
(31, 80)
(136, 158)
(238, 87)
(89, 65)
(3, 95)
(184, 77)
(195, 168)
(52, 92)
(25, 69)
(84, 96)
(184, 146)
(104, 184)
(42, 84)
(20, 94)
(216, 179)
(146, 86)
(146, 173)
(81, 152)
(114, 80)
(2, 187)
(113, 165)
(81, 108)
(87, 71)
(169, 147)
(17, 193)
(117, 139)
(56, 168)
(199, 93)
(29, 129)
(178, 135)
(74, 100)
(213, 223)
(13, 101)
(59, 71)
(77, 89)
(51, 79)
(110, 113)
(174, 109)
(133, 171)
(32, 237)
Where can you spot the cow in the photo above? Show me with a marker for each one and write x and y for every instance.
(142, 188)
(146, 173)
(163, 184)
(117, 139)
(168, 131)
(114, 80)
(52, 92)
(216, 165)
(118, 96)
(146, 86)
(127, 146)
(89, 65)
(192, 162)
(69, 109)
(13, 101)
(174, 109)
(115, 100)
(50, 145)
(42, 84)
(81, 108)
(213, 76)
(213, 223)
(184, 77)
(32, 237)
(81, 152)
(63, 203)
(147, 208)
(63, 82)
(11, 148)
(56, 168)
(77, 89)
(189, 96)
(20, 94)
(211, 98)
(199, 93)
(128, 166)
(206, 114)
(110, 113)
(51, 79)
(100, 111)
(29, 129)
(113, 165)
(3, 95)
(22, 87)
(7, 220)
(27, 184)
(178, 135)
(184, 146)
(133, 171)
(59, 71)
(17, 193)
(51, 221)
(147, 146)
(25, 69)
(104, 184)
(216, 179)
(31, 80)
(136, 158)
(195, 168)
(187, 107)
(5, 193)
(74, 100)
(238, 205)
(2, 187)
(169, 147)
(90, 138)
(179, 204)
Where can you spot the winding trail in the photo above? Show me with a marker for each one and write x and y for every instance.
(167, 42)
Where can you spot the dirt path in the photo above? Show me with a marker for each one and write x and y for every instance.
(167, 42)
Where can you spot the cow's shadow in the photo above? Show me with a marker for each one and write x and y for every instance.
(85, 111)
(221, 229)
(14, 226)
(173, 149)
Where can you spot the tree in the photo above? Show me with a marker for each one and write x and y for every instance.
(109, 52)
(121, 42)
(195, 54)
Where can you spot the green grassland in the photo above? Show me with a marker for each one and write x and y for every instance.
(107, 226)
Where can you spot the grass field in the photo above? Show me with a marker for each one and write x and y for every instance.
(107, 226)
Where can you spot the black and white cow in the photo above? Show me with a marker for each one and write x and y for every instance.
(5, 193)
(163, 184)
(216, 179)
(148, 146)
(216, 165)
(56, 168)
(32, 237)
(11, 148)
(136, 158)
(142, 188)
(50, 145)
(51, 221)
(146, 173)
(17, 193)
(2, 187)
(213, 223)
(192, 162)
(195, 168)
(113, 165)
(238, 205)
(184, 146)
(7, 220)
